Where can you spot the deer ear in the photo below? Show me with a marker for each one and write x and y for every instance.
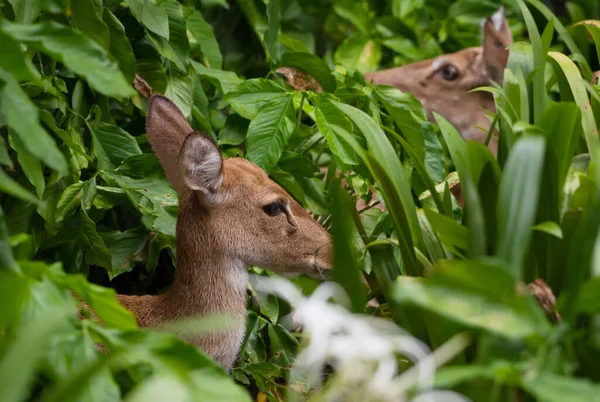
(201, 166)
(167, 129)
(496, 37)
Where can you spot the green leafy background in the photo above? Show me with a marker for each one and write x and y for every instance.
(85, 206)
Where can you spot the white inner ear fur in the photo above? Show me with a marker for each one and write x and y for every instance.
(498, 19)
(201, 164)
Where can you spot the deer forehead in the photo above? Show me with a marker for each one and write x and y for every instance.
(246, 179)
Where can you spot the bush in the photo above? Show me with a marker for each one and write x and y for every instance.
(85, 206)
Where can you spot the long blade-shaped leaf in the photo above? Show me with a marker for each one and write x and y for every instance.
(518, 200)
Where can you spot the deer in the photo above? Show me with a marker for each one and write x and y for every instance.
(231, 215)
(443, 84)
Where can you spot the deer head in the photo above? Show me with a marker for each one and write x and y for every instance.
(231, 215)
(248, 215)
(442, 84)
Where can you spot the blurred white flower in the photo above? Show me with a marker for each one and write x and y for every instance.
(363, 351)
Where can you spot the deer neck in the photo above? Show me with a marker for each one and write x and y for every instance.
(207, 280)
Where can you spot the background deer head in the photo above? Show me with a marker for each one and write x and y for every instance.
(442, 83)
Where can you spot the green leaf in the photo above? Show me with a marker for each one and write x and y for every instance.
(346, 270)
(9, 186)
(179, 90)
(14, 61)
(311, 64)
(151, 15)
(269, 133)
(398, 196)
(234, 132)
(550, 228)
(518, 200)
(224, 81)
(69, 200)
(79, 53)
(359, 53)
(588, 300)
(125, 247)
(575, 82)
(203, 33)
(27, 11)
(476, 294)
(120, 48)
(7, 261)
(30, 164)
(176, 47)
(283, 345)
(90, 240)
(112, 145)
(330, 120)
(20, 359)
(272, 32)
(88, 20)
(550, 387)
(249, 96)
(22, 116)
(451, 233)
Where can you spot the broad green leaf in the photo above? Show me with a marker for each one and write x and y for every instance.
(518, 200)
(176, 48)
(69, 200)
(179, 90)
(550, 228)
(234, 132)
(10, 186)
(476, 294)
(27, 11)
(86, 18)
(359, 53)
(22, 116)
(120, 48)
(283, 345)
(18, 364)
(225, 81)
(79, 53)
(272, 32)
(588, 300)
(112, 145)
(311, 64)
(7, 261)
(125, 247)
(14, 61)
(330, 120)
(151, 15)
(249, 96)
(32, 168)
(552, 387)
(203, 33)
(270, 131)
(90, 241)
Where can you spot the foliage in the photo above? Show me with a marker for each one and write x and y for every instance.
(85, 203)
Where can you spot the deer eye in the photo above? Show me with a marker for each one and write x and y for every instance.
(449, 72)
(273, 208)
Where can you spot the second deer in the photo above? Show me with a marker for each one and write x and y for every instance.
(442, 84)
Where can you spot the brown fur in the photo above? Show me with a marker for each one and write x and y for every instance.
(222, 228)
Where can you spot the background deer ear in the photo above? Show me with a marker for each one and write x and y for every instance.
(496, 37)
(201, 166)
(167, 129)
